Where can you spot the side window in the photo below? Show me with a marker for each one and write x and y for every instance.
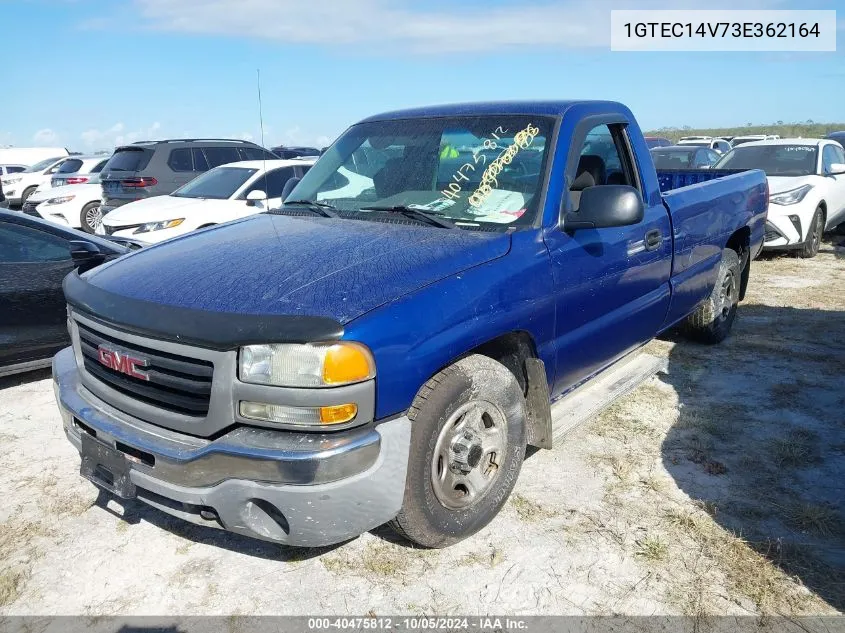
(15, 169)
(22, 244)
(200, 164)
(180, 160)
(221, 155)
(838, 155)
(99, 166)
(272, 182)
(69, 166)
(828, 158)
(605, 160)
(55, 168)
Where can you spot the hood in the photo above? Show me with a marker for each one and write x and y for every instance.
(779, 184)
(297, 266)
(93, 192)
(153, 209)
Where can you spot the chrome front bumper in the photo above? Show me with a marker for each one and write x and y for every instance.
(303, 489)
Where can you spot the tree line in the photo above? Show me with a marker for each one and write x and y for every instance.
(807, 129)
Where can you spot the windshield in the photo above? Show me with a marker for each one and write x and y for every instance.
(220, 183)
(478, 170)
(740, 141)
(775, 160)
(672, 159)
(40, 166)
(697, 143)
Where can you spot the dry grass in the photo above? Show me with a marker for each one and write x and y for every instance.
(798, 448)
(652, 549)
(491, 558)
(816, 518)
(528, 510)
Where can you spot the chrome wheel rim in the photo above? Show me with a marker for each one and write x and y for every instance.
(726, 296)
(93, 218)
(468, 454)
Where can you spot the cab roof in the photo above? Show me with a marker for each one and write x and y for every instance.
(546, 108)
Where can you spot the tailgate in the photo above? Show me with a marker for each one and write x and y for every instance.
(126, 164)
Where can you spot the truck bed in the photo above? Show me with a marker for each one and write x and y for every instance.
(670, 179)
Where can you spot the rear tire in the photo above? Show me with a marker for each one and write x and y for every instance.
(810, 247)
(468, 434)
(90, 217)
(713, 319)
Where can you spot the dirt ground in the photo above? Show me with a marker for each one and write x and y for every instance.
(714, 489)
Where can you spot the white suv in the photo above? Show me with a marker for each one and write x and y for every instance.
(806, 188)
(18, 187)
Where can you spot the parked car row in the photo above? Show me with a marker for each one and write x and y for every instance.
(806, 180)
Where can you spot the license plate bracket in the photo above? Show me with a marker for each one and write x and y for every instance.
(106, 467)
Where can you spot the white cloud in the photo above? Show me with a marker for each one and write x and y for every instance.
(406, 28)
(45, 136)
(117, 135)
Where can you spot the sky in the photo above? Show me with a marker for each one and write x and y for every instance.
(90, 74)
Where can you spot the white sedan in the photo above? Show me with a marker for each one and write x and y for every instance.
(806, 189)
(225, 193)
(71, 205)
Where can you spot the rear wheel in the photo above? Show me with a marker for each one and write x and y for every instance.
(90, 217)
(712, 320)
(810, 247)
(468, 437)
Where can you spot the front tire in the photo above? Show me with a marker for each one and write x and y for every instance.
(810, 247)
(90, 217)
(468, 436)
(713, 319)
(26, 193)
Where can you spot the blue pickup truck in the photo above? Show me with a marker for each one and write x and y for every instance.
(384, 346)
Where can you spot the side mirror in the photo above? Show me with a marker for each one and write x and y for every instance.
(606, 206)
(289, 186)
(254, 197)
(836, 169)
(85, 254)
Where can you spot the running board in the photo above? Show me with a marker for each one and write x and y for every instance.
(586, 401)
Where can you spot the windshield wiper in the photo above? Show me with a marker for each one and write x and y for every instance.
(431, 217)
(320, 208)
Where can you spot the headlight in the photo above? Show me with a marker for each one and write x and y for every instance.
(158, 226)
(793, 196)
(60, 200)
(306, 365)
(10, 181)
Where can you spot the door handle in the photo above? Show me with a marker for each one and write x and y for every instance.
(653, 240)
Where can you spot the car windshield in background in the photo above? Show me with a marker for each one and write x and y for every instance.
(697, 143)
(218, 184)
(672, 159)
(775, 160)
(40, 166)
(479, 170)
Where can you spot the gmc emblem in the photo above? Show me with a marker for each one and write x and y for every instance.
(124, 363)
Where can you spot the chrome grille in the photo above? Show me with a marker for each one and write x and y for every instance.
(176, 383)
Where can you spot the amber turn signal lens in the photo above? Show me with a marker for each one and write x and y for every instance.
(338, 414)
(347, 363)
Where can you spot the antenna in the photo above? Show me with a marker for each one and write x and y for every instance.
(264, 149)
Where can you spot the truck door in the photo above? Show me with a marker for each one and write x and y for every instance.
(611, 284)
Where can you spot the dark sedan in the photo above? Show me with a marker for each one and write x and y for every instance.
(35, 256)
(683, 157)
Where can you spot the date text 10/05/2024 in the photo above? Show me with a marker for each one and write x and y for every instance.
(488, 624)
